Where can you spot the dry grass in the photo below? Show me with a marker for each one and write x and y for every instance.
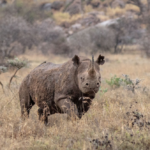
(60, 17)
(88, 8)
(103, 17)
(132, 8)
(113, 12)
(107, 114)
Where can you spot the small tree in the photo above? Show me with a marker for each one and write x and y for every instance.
(17, 64)
(2, 70)
(126, 31)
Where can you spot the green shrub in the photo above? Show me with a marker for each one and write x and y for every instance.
(103, 91)
(126, 82)
(18, 63)
(114, 82)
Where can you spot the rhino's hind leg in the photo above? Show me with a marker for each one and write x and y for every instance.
(40, 113)
(44, 113)
(26, 104)
(67, 106)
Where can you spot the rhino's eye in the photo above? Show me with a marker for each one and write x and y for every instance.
(82, 78)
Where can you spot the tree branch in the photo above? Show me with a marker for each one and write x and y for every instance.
(13, 76)
(68, 5)
(2, 86)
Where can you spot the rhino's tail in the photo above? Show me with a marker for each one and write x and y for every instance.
(42, 63)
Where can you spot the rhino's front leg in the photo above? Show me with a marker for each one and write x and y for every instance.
(67, 106)
(44, 113)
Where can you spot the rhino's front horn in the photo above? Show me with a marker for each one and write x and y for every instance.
(91, 70)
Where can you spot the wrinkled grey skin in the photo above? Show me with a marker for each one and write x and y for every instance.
(61, 88)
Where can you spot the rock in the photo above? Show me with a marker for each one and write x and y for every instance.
(65, 24)
(88, 2)
(45, 6)
(57, 5)
(3, 3)
(45, 24)
(68, 2)
(118, 3)
(95, 4)
(89, 20)
(74, 7)
(76, 26)
(58, 28)
(105, 5)
(108, 23)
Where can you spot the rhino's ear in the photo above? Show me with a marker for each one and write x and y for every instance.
(100, 60)
(76, 60)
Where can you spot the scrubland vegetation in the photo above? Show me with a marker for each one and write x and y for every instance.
(116, 112)
(32, 32)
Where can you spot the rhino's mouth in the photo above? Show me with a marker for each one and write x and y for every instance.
(91, 90)
(90, 94)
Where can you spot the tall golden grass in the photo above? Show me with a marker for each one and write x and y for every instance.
(107, 114)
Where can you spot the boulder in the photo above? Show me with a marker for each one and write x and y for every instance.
(45, 6)
(95, 4)
(74, 7)
(89, 20)
(57, 5)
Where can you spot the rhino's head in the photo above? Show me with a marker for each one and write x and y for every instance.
(88, 74)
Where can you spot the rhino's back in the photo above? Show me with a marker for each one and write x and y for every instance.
(46, 66)
(41, 82)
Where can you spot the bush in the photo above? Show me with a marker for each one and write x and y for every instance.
(93, 39)
(127, 31)
(146, 45)
(17, 35)
(14, 32)
(103, 38)
(3, 69)
(16, 64)
(114, 82)
(53, 40)
(109, 36)
(126, 82)
(26, 10)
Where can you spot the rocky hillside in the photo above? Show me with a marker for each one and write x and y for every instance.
(68, 26)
